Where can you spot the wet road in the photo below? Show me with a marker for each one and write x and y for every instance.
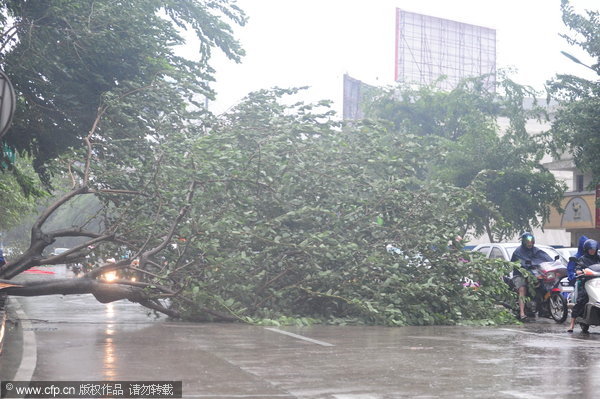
(79, 339)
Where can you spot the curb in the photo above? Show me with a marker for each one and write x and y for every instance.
(29, 357)
(3, 300)
(25, 366)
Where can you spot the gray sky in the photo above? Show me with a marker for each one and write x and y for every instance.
(314, 42)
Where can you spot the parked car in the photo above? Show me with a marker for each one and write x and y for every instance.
(504, 250)
(567, 252)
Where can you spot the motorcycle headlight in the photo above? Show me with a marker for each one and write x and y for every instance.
(110, 276)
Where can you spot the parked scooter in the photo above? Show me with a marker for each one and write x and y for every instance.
(591, 315)
(548, 299)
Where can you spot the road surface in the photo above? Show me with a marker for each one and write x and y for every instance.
(75, 338)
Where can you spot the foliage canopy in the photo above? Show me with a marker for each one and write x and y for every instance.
(295, 212)
(576, 126)
(66, 59)
(478, 139)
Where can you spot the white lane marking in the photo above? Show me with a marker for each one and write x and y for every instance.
(29, 355)
(521, 395)
(567, 337)
(314, 341)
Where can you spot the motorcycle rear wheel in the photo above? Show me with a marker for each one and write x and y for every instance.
(558, 308)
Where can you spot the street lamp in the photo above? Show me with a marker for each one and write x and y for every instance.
(575, 60)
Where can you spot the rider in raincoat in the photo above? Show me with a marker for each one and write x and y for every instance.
(528, 255)
(589, 257)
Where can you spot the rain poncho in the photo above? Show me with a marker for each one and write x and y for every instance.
(533, 255)
(572, 264)
(582, 297)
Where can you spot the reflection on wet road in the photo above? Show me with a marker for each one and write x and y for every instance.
(81, 339)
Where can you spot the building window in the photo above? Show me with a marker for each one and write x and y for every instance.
(579, 183)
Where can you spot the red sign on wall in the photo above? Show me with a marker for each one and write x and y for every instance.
(597, 206)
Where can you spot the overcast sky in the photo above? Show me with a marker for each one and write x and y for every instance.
(314, 42)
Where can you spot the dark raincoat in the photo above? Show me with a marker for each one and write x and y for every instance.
(582, 297)
(533, 255)
(572, 265)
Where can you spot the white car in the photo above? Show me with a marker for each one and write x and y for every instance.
(58, 251)
(504, 250)
(567, 252)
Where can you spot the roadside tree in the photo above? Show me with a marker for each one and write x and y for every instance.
(15, 202)
(471, 148)
(66, 59)
(576, 126)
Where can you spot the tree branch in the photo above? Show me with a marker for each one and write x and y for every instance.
(105, 292)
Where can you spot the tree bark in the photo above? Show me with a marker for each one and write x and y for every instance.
(103, 292)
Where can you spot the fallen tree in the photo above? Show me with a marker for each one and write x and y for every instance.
(147, 294)
(271, 213)
(275, 214)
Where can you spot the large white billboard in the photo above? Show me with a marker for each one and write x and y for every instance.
(430, 47)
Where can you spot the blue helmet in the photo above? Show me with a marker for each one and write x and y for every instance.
(590, 244)
(526, 238)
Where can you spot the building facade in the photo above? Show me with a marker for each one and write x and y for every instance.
(581, 215)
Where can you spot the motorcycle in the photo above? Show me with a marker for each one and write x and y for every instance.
(76, 268)
(591, 315)
(568, 291)
(548, 299)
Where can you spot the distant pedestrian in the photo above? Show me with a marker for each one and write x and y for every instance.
(2, 260)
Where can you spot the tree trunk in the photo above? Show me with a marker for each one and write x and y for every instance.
(103, 292)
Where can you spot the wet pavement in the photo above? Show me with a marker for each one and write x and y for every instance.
(75, 338)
